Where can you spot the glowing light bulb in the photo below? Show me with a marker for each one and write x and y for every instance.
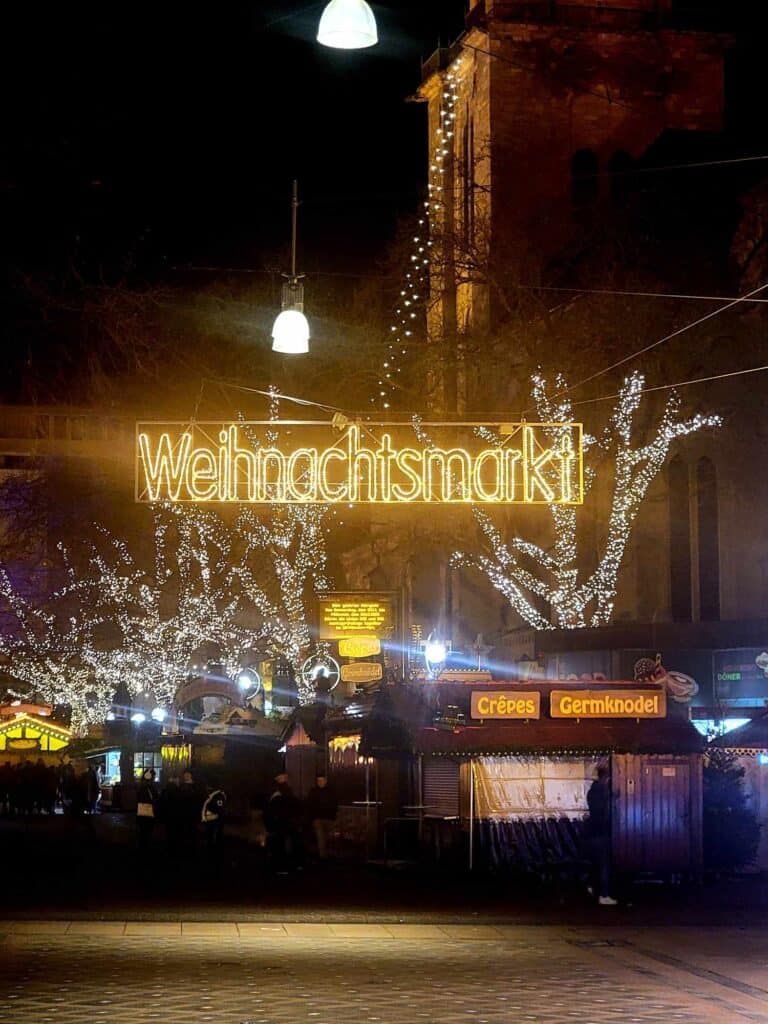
(290, 333)
(348, 25)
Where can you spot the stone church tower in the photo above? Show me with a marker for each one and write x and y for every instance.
(538, 115)
(531, 113)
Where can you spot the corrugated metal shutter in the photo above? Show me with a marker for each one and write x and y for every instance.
(440, 786)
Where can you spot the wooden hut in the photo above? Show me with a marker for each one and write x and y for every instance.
(511, 765)
(26, 734)
(366, 748)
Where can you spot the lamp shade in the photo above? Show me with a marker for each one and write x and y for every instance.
(290, 333)
(348, 25)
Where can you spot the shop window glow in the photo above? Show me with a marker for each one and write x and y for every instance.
(348, 25)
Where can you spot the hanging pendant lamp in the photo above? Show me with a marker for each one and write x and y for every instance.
(348, 25)
(290, 332)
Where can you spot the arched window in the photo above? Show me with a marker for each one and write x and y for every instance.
(585, 181)
(709, 541)
(679, 541)
(620, 168)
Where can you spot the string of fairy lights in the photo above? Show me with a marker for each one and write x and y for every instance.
(527, 574)
(415, 288)
(218, 598)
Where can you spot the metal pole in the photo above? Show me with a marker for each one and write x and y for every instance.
(367, 809)
(404, 623)
(294, 219)
(471, 814)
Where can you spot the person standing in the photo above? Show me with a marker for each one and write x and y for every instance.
(66, 782)
(213, 817)
(322, 808)
(92, 789)
(39, 777)
(51, 784)
(6, 788)
(146, 807)
(282, 825)
(598, 835)
(189, 802)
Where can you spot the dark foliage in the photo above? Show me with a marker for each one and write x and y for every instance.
(731, 831)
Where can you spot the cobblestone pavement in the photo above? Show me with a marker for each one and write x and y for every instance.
(271, 973)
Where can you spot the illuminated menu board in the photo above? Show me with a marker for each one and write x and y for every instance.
(357, 615)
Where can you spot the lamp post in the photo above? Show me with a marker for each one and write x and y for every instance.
(435, 655)
(290, 332)
(348, 25)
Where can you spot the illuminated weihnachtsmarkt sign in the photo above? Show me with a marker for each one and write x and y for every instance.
(367, 463)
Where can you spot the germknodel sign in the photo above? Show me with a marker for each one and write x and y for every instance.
(307, 463)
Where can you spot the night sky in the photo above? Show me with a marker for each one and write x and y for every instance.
(154, 135)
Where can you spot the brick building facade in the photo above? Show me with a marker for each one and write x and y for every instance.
(535, 115)
(530, 113)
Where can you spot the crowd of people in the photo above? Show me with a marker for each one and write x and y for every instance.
(34, 787)
(189, 811)
(293, 824)
(184, 807)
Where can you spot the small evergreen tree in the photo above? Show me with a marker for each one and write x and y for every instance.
(731, 831)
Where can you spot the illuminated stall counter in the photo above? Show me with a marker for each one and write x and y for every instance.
(26, 736)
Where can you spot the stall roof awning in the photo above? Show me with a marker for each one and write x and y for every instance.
(752, 736)
(652, 736)
(100, 751)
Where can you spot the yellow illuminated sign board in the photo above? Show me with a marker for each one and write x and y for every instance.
(506, 704)
(358, 616)
(608, 704)
(362, 672)
(531, 464)
(360, 647)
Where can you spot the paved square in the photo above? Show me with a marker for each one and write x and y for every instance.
(136, 973)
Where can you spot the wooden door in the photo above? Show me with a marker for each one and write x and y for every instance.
(666, 814)
(653, 830)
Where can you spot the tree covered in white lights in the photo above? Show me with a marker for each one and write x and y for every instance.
(46, 653)
(556, 586)
(228, 592)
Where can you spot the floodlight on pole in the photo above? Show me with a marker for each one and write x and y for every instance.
(290, 332)
(249, 681)
(435, 654)
(348, 25)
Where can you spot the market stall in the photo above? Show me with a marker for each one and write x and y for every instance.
(512, 765)
(365, 747)
(27, 734)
